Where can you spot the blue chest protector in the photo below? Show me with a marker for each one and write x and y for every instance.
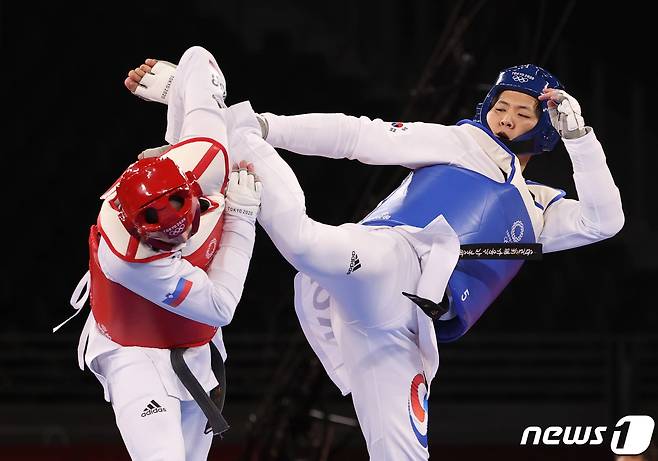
(480, 210)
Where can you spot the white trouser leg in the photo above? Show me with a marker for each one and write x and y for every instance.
(382, 363)
(197, 443)
(194, 109)
(379, 336)
(326, 253)
(371, 296)
(147, 417)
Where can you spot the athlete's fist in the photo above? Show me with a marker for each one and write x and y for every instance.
(565, 113)
(152, 80)
(243, 193)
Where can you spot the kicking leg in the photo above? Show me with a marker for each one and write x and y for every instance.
(358, 265)
(355, 263)
(195, 96)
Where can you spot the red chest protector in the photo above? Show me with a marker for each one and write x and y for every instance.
(124, 316)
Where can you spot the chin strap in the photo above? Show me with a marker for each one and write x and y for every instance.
(520, 147)
(159, 245)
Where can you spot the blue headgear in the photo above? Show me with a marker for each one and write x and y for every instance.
(529, 79)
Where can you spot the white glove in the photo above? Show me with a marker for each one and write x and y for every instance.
(155, 85)
(153, 152)
(566, 118)
(243, 195)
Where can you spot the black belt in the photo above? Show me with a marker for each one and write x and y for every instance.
(526, 251)
(212, 404)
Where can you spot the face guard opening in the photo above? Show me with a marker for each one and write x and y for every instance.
(159, 203)
(531, 80)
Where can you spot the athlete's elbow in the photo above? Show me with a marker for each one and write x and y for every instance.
(604, 228)
(611, 222)
(224, 309)
(614, 225)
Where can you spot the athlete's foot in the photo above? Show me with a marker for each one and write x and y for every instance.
(135, 76)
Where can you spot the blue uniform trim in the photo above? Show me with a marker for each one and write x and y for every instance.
(498, 141)
(556, 198)
(560, 194)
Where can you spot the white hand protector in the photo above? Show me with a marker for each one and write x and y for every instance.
(264, 125)
(153, 152)
(156, 84)
(566, 118)
(243, 195)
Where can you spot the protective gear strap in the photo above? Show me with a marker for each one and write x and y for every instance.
(78, 298)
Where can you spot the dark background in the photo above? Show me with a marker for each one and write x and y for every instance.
(571, 341)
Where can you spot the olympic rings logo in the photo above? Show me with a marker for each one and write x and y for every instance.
(521, 77)
(517, 231)
(212, 246)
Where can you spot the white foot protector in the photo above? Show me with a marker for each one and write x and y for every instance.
(156, 84)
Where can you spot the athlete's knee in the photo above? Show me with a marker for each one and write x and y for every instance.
(194, 52)
(298, 249)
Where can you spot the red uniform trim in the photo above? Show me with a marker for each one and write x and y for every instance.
(215, 145)
(205, 161)
(133, 246)
(123, 256)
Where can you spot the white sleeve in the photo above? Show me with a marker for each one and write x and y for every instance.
(210, 298)
(374, 142)
(598, 213)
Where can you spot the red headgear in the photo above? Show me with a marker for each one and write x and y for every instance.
(158, 202)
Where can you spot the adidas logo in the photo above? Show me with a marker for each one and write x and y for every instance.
(354, 263)
(151, 408)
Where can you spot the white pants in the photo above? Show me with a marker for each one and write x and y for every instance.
(384, 359)
(376, 330)
(378, 333)
(153, 425)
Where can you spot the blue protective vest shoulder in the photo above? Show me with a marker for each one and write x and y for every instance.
(480, 210)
